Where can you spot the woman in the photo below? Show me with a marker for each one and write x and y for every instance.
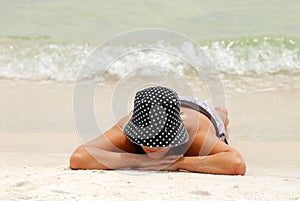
(164, 132)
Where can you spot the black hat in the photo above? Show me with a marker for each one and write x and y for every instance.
(156, 120)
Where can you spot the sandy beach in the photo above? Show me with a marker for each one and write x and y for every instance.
(35, 163)
(35, 167)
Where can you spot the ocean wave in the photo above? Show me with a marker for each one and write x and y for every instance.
(43, 59)
(256, 55)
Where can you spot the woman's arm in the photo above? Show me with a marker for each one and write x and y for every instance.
(112, 150)
(207, 154)
(88, 157)
(229, 162)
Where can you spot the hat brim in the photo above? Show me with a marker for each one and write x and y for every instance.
(135, 134)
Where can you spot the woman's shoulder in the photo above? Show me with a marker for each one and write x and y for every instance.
(123, 121)
(193, 120)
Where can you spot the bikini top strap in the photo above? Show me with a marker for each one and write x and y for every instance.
(196, 107)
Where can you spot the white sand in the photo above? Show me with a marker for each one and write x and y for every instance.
(35, 167)
(37, 136)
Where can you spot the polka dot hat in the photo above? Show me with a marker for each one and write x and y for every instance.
(156, 120)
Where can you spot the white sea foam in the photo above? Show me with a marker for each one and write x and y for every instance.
(58, 61)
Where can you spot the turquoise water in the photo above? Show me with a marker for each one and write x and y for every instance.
(98, 20)
(51, 40)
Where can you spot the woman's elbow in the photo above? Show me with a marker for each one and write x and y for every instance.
(82, 159)
(239, 165)
(77, 158)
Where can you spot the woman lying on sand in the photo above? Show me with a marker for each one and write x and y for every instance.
(164, 132)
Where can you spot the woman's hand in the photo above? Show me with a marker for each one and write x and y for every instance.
(169, 163)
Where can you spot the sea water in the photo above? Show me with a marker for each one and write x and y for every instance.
(51, 40)
(254, 45)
